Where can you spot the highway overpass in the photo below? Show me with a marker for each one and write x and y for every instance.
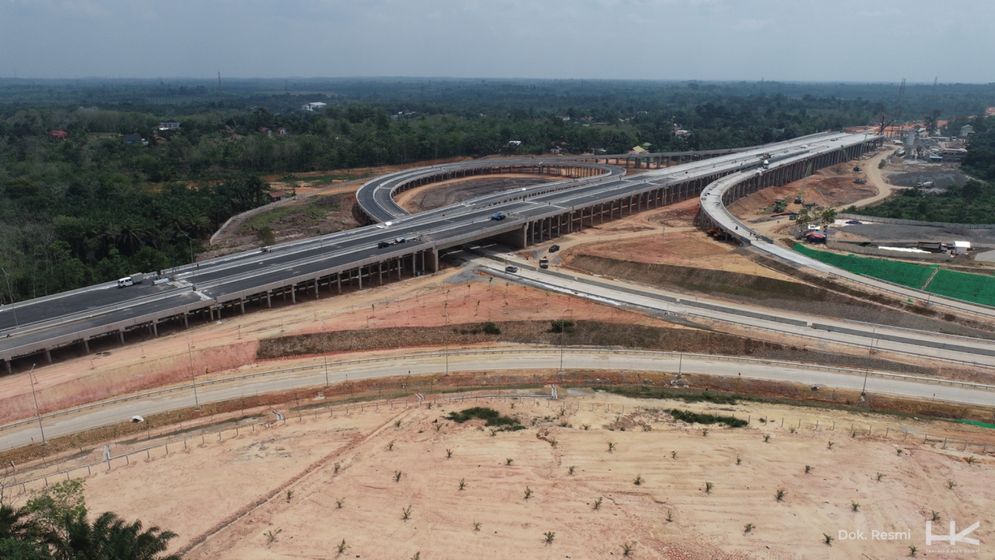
(718, 195)
(371, 255)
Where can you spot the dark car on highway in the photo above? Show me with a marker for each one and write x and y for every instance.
(554, 248)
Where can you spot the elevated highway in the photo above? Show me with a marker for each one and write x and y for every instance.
(354, 259)
(716, 197)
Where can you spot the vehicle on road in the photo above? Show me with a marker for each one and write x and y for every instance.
(383, 244)
(544, 263)
(136, 278)
(554, 248)
(511, 269)
(498, 216)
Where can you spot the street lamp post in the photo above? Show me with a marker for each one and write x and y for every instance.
(193, 374)
(34, 396)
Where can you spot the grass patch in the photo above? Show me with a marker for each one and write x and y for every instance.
(696, 418)
(961, 285)
(311, 212)
(491, 418)
(896, 272)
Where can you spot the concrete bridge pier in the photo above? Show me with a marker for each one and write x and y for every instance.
(518, 239)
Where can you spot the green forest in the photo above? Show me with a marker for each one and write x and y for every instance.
(91, 189)
(972, 203)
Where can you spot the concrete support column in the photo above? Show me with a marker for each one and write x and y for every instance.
(155, 328)
(269, 298)
(360, 272)
(120, 335)
(241, 305)
(400, 265)
(86, 346)
(9, 368)
(315, 288)
(48, 355)
(380, 271)
(293, 293)
(433, 260)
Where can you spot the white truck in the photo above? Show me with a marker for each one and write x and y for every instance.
(136, 278)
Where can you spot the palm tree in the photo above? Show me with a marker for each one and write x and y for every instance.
(109, 536)
(14, 523)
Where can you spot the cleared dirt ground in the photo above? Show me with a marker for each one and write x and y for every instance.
(445, 193)
(663, 235)
(832, 187)
(230, 495)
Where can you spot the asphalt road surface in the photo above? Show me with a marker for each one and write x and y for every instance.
(484, 360)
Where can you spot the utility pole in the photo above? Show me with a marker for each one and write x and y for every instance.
(193, 374)
(445, 332)
(34, 396)
(325, 358)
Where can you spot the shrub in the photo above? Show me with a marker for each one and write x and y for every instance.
(696, 418)
(491, 328)
(561, 326)
(490, 417)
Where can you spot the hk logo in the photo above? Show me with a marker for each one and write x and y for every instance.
(952, 537)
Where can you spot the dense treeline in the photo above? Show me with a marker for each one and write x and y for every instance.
(980, 160)
(114, 195)
(972, 203)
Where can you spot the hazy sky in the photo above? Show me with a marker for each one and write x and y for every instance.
(825, 40)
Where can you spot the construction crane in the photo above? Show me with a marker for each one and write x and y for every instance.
(896, 112)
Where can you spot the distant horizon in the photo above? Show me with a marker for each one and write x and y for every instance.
(213, 79)
(707, 40)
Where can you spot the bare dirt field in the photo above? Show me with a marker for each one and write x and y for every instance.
(666, 488)
(445, 193)
(665, 235)
(832, 187)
